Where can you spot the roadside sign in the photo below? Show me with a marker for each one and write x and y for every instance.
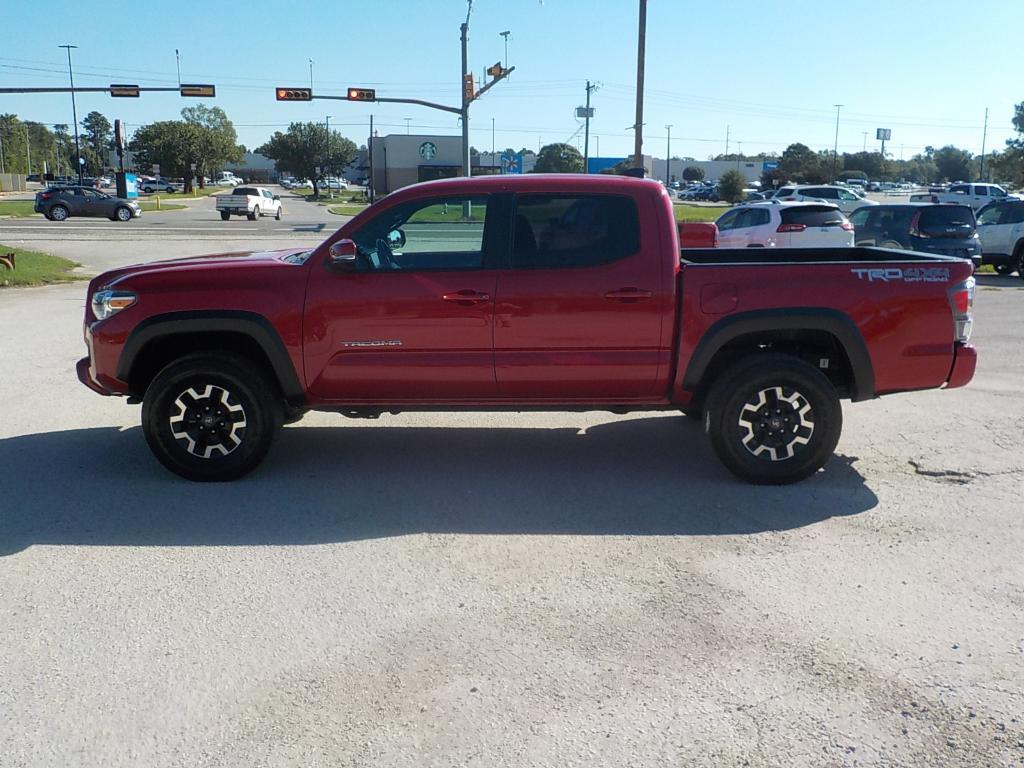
(883, 134)
(156, 168)
(124, 91)
(361, 94)
(317, 169)
(512, 162)
(770, 165)
(583, 112)
(294, 94)
(196, 90)
(192, 166)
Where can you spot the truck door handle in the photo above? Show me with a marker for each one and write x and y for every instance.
(629, 294)
(466, 297)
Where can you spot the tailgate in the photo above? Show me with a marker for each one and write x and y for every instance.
(232, 201)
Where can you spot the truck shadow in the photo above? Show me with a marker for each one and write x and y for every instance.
(1000, 281)
(645, 476)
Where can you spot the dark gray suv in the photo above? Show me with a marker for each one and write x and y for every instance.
(949, 230)
(58, 203)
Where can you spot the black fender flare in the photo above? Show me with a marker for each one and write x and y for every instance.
(250, 324)
(831, 321)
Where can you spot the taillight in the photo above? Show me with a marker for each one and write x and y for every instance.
(847, 226)
(961, 300)
(791, 228)
(46, 195)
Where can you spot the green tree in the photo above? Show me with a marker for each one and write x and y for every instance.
(800, 163)
(559, 158)
(731, 185)
(869, 165)
(1009, 165)
(306, 146)
(953, 164)
(693, 173)
(13, 136)
(172, 144)
(217, 141)
(97, 135)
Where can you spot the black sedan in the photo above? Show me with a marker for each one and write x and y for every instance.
(58, 203)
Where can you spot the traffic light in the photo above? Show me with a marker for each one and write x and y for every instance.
(201, 91)
(294, 94)
(362, 94)
(496, 71)
(468, 88)
(124, 91)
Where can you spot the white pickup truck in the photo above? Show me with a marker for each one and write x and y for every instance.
(251, 202)
(975, 195)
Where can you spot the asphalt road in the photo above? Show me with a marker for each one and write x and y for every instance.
(489, 590)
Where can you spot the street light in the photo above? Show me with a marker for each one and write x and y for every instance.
(668, 155)
(505, 35)
(407, 121)
(74, 113)
(311, 74)
(835, 147)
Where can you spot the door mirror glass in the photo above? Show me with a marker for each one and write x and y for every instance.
(343, 255)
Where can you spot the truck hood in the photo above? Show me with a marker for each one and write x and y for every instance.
(218, 261)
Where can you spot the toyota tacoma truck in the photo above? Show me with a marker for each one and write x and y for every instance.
(251, 202)
(539, 292)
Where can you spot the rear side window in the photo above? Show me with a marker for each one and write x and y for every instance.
(940, 217)
(824, 192)
(553, 231)
(246, 191)
(784, 191)
(812, 216)
(1012, 214)
(960, 189)
(752, 217)
(981, 191)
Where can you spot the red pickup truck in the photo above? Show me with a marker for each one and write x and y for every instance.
(530, 292)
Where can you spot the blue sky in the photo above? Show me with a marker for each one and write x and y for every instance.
(771, 72)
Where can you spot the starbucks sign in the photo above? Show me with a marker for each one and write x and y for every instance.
(428, 150)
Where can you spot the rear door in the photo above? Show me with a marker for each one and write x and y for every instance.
(581, 313)
(414, 321)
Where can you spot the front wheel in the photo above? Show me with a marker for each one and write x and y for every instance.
(277, 216)
(773, 419)
(224, 215)
(123, 214)
(210, 417)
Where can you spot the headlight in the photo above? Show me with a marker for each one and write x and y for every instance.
(106, 303)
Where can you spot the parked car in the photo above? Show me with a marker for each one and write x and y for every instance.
(846, 199)
(60, 203)
(158, 185)
(1001, 232)
(975, 195)
(34, 177)
(251, 202)
(791, 224)
(106, 182)
(948, 230)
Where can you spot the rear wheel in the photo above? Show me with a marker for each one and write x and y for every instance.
(1018, 259)
(58, 213)
(224, 215)
(255, 214)
(1004, 269)
(773, 419)
(210, 417)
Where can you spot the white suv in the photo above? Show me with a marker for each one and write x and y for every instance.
(847, 200)
(775, 224)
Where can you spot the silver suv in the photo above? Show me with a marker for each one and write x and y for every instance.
(847, 199)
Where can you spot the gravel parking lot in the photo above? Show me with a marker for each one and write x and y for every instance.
(484, 590)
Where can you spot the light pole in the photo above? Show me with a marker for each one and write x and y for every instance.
(668, 155)
(492, 145)
(311, 74)
(865, 135)
(177, 61)
(835, 147)
(327, 155)
(638, 125)
(505, 34)
(28, 150)
(465, 84)
(74, 113)
(407, 120)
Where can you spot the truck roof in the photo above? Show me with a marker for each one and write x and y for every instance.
(533, 182)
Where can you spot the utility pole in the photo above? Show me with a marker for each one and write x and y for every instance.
(311, 74)
(505, 35)
(727, 141)
(369, 152)
(984, 136)
(492, 145)
(177, 59)
(835, 147)
(2, 155)
(586, 130)
(28, 150)
(74, 113)
(327, 155)
(668, 155)
(865, 135)
(641, 44)
(467, 167)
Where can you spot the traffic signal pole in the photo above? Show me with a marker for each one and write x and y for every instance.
(467, 168)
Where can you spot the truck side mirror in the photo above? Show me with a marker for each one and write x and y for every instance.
(343, 255)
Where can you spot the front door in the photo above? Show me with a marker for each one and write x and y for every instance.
(581, 313)
(414, 321)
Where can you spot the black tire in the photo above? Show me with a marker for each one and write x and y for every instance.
(59, 213)
(123, 213)
(225, 215)
(766, 445)
(221, 394)
(893, 244)
(1004, 269)
(255, 214)
(277, 216)
(1018, 259)
(693, 412)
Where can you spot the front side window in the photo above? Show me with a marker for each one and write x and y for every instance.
(439, 233)
(727, 221)
(991, 215)
(848, 196)
(998, 191)
(554, 231)
(859, 218)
